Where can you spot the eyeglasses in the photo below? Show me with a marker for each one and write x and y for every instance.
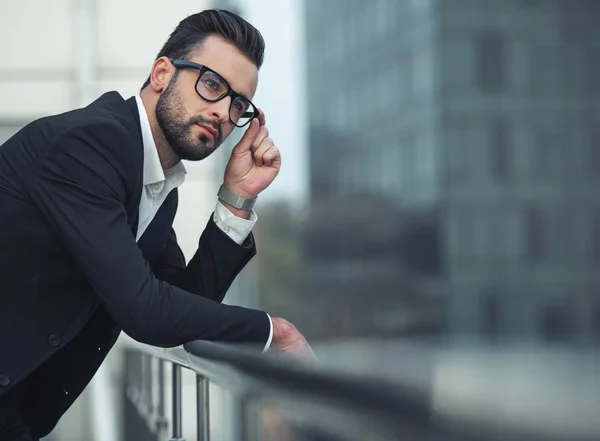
(212, 87)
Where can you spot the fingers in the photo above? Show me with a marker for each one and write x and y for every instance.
(254, 134)
(264, 150)
(249, 137)
(289, 341)
(258, 141)
(261, 118)
(267, 154)
(300, 349)
(263, 133)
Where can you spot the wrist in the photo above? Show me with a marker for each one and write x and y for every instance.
(243, 214)
(238, 204)
(239, 191)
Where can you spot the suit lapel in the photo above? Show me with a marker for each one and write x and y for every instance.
(133, 207)
(154, 239)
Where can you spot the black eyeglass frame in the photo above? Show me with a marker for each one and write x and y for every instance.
(185, 64)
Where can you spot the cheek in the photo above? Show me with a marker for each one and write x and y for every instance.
(227, 129)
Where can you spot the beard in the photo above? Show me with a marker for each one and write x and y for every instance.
(176, 125)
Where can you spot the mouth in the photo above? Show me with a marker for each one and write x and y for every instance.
(210, 131)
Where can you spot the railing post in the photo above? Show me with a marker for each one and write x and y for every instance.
(146, 379)
(202, 408)
(177, 404)
(161, 421)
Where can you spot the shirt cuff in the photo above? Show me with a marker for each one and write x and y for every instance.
(268, 345)
(235, 227)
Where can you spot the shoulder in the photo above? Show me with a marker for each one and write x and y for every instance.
(105, 122)
(98, 129)
(97, 136)
(96, 152)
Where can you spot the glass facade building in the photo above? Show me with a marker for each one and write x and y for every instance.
(481, 117)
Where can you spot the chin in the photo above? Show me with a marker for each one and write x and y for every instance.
(196, 153)
(207, 142)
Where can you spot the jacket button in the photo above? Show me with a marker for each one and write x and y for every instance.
(54, 340)
(4, 380)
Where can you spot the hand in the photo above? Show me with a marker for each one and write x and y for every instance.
(255, 161)
(288, 340)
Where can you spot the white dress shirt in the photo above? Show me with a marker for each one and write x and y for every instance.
(158, 183)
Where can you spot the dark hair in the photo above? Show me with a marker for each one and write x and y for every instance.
(193, 30)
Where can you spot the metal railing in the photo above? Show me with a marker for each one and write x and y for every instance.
(325, 403)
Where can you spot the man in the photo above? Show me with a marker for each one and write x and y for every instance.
(87, 201)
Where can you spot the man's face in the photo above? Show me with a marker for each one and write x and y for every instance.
(194, 127)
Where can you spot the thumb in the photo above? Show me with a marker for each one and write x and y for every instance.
(248, 138)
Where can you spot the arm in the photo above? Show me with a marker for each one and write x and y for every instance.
(80, 189)
(232, 242)
(213, 267)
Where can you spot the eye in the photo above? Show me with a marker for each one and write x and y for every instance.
(240, 105)
(211, 84)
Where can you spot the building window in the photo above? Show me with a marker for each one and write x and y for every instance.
(549, 64)
(466, 224)
(551, 153)
(547, 234)
(491, 61)
(500, 151)
(534, 234)
(423, 72)
(390, 168)
(491, 315)
(409, 163)
(558, 324)
(559, 235)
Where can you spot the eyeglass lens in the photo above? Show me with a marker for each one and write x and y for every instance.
(213, 87)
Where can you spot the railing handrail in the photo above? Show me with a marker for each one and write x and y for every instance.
(391, 402)
(297, 375)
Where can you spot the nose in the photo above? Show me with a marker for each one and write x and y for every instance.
(220, 110)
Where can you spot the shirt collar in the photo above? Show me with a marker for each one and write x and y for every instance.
(153, 171)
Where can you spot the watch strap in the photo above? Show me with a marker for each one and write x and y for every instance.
(235, 200)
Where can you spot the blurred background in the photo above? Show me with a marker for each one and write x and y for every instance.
(440, 158)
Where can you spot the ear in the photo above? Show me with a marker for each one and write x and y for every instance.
(162, 72)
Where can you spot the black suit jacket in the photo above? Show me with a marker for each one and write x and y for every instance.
(71, 272)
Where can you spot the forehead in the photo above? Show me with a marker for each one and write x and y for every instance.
(227, 60)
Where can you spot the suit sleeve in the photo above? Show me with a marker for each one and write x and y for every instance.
(213, 267)
(81, 189)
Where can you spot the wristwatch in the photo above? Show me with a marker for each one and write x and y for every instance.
(235, 200)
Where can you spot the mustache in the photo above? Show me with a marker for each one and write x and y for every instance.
(208, 122)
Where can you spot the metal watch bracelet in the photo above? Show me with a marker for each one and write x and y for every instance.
(235, 200)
